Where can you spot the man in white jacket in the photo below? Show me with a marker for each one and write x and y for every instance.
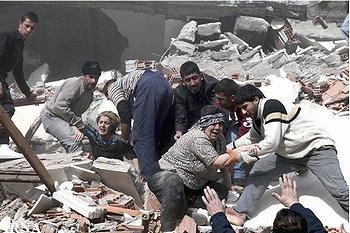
(283, 139)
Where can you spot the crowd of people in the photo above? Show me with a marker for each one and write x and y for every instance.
(223, 136)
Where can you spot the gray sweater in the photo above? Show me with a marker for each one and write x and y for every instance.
(70, 101)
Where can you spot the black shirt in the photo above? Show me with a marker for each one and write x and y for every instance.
(11, 58)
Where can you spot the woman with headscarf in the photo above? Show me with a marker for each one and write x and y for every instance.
(179, 177)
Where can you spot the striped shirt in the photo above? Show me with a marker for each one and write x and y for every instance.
(124, 87)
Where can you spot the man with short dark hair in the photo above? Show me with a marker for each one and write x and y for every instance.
(11, 59)
(191, 96)
(283, 139)
(238, 124)
(62, 117)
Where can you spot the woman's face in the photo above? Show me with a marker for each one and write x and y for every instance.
(214, 131)
(104, 126)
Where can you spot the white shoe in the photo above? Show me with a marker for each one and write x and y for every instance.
(7, 153)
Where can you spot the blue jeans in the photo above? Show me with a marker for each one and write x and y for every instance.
(153, 98)
(238, 171)
(345, 28)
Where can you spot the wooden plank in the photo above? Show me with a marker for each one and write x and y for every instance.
(27, 151)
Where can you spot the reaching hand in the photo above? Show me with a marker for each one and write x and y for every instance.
(336, 230)
(78, 136)
(33, 95)
(177, 135)
(289, 194)
(212, 201)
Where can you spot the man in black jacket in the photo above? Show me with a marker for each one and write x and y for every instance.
(11, 59)
(191, 96)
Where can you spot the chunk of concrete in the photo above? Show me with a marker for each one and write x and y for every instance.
(43, 204)
(188, 32)
(224, 55)
(215, 45)
(252, 30)
(235, 40)
(249, 54)
(120, 176)
(182, 47)
(80, 204)
(209, 30)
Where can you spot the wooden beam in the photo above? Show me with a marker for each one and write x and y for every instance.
(27, 151)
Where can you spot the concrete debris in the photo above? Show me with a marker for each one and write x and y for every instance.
(188, 32)
(306, 60)
(252, 30)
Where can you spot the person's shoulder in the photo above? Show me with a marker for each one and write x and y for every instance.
(180, 91)
(273, 106)
(8, 34)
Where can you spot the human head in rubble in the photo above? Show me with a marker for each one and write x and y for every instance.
(191, 76)
(91, 71)
(290, 221)
(107, 123)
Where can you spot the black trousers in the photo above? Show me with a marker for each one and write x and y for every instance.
(7, 103)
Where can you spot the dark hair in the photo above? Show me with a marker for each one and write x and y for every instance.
(247, 93)
(289, 221)
(91, 67)
(211, 110)
(188, 68)
(32, 16)
(226, 86)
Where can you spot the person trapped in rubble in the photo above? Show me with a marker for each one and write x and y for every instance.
(11, 59)
(283, 139)
(191, 96)
(144, 96)
(238, 125)
(104, 140)
(62, 116)
(293, 219)
(179, 177)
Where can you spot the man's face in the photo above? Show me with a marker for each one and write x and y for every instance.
(251, 107)
(193, 82)
(225, 101)
(90, 81)
(26, 28)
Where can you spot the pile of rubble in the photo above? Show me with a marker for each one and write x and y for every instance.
(321, 67)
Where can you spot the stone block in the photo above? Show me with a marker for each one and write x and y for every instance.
(209, 31)
(252, 30)
(235, 40)
(182, 47)
(215, 45)
(188, 32)
(225, 55)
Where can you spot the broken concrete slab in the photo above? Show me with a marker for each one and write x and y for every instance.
(84, 174)
(120, 176)
(316, 32)
(182, 47)
(235, 39)
(225, 55)
(209, 30)
(249, 54)
(188, 32)
(214, 45)
(252, 30)
(80, 204)
(43, 204)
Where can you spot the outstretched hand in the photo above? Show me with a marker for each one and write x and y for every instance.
(212, 201)
(289, 194)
